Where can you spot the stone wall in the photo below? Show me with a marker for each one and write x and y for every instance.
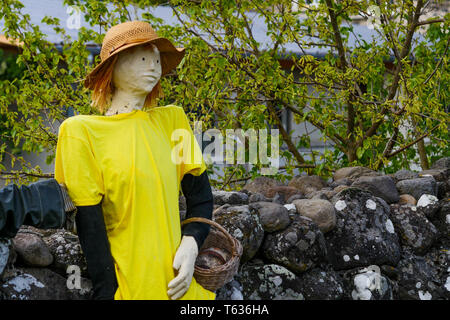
(360, 235)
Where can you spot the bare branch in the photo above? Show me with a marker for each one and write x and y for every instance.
(422, 23)
(395, 82)
(28, 174)
(285, 134)
(438, 64)
(250, 35)
(413, 142)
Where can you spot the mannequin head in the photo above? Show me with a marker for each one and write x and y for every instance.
(135, 71)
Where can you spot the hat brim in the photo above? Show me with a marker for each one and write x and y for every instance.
(170, 58)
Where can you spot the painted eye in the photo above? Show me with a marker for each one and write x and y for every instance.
(157, 61)
(143, 59)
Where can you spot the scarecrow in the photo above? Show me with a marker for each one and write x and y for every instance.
(123, 171)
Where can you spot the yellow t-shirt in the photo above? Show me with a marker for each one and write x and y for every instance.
(126, 160)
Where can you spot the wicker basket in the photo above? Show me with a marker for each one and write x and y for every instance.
(216, 277)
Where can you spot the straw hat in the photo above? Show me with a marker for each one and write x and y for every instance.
(133, 33)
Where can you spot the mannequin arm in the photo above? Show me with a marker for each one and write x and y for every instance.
(94, 242)
(199, 202)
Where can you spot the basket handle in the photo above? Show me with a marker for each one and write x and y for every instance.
(216, 225)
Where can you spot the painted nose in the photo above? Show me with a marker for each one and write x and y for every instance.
(152, 64)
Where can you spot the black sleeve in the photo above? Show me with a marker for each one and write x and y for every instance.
(39, 204)
(94, 242)
(199, 203)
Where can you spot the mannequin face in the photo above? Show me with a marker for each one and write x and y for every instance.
(138, 69)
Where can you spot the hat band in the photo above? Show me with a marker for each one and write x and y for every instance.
(128, 42)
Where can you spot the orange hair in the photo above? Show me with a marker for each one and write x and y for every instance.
(103, 89)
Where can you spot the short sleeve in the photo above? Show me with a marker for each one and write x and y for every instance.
(186, 152)
(76, 166)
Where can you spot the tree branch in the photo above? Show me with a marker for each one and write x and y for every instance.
(285, 134)
(438, 64)
(422, 23)
(27, 174)
(395, 82)
(413, 142)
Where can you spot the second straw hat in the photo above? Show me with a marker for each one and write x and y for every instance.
(132, 33)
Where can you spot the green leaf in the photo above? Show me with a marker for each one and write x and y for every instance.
(359, 152)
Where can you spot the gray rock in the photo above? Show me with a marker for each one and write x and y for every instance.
(405, 175)
(439, 258)
(418, 187)
(441, 220)
(429, 205)
(40, 232)
(261, 185)
(295, 197)
(299, 247)
(182, 202)
(442, 189)
(413, 228)
(364, 235)
(245, 225)
(230, 197)
(318, 284)
(323, 194)
(307, 184)
(321, 212)
(442, 163)
(255, 197)
(285, 191)
(273, 216)
(291, 209)
(353, 173)
(380, 186)
(341, 182)
(340, 188)
(42, 284)
(269, 282)
(417, 279)
(278, 198)
(66, 250)
(5, 245)
(447, 188)
(32, 250)
(182, 215)
(230, 291)
(437, 174)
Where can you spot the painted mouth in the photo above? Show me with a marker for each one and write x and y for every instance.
(150, 76)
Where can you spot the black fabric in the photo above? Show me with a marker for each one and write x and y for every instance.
(94, 242)
(39, 204)
(199, 203)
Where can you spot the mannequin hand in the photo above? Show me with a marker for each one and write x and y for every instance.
(184, 262)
